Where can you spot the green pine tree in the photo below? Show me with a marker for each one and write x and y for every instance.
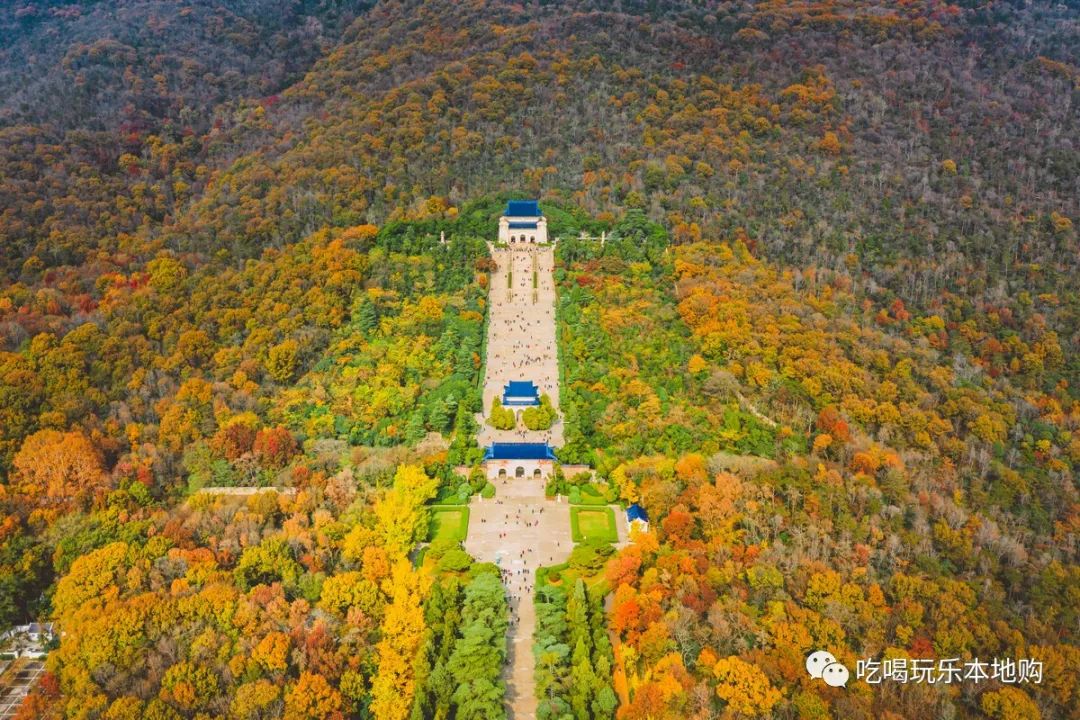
(584, 684)
(415, 429)
(366, 317)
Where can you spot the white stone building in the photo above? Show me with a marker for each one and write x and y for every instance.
(523, 224)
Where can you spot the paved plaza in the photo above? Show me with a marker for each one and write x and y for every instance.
(520, 531)
(521, 343)
(16, 682)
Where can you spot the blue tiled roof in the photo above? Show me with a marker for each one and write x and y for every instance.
(523, 208)
(521, 388)
(519, 451)
(636, 512)
(522, 226)
(521, 392)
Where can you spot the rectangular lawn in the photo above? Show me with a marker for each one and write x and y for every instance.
(589, 523)
(449, 522)
(590, 494)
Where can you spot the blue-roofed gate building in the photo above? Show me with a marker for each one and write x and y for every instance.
(520, 393)
(530, 460)
(523, 224)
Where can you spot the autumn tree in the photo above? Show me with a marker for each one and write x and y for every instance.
(394, 686)
(312, 697)
(57, 470)
(744, 688)
(400, 514)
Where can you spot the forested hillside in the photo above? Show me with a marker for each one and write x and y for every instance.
(136, 66)
(907, 510)
(830, 344)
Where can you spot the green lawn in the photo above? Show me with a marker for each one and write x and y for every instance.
(587, 494)
(449, 522)
(593, 523)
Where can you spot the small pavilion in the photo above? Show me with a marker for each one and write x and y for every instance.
(637, 517)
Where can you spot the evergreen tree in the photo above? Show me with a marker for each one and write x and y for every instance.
(442, 690)
(577, 615)
(464, 436)
(366, 317)
(501, 418)
(475, 664)
(540, 417)
(439, 416)
(584, 680)
(604, 705)
(415, 429)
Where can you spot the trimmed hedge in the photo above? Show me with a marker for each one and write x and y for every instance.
(543, 574)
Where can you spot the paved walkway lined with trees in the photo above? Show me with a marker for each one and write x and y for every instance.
(521, 531)
(521, 342)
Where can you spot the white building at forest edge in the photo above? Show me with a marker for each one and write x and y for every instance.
(523, 224)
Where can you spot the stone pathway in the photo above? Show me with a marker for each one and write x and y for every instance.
(521, 531)
(521, 343)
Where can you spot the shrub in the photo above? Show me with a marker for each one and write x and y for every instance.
(455, 560)
(501, 418)
(477, 479)
(582, 478)
(590, 556)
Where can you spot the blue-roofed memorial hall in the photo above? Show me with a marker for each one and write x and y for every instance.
(523, 223)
